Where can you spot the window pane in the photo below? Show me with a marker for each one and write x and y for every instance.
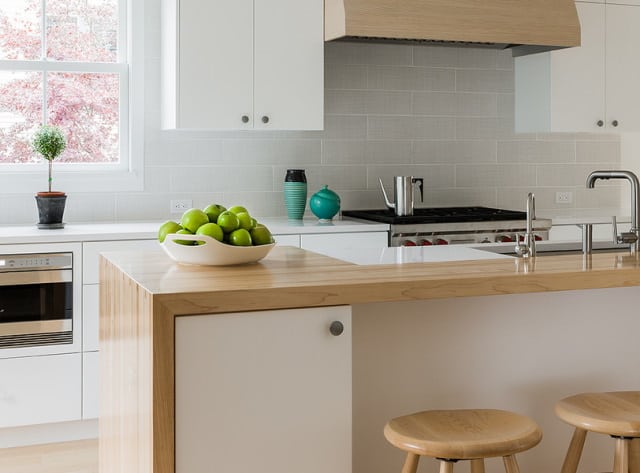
(20, 29)
(85, 106)
(20, 114)
(82, 30)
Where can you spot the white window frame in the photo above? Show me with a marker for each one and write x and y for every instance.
(127, 175)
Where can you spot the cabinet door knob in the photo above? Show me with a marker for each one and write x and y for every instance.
(245, 119)
(614, 122)
(336, 328)
(600, 123)
(265, 119)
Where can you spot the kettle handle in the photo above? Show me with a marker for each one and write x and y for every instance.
(420, 182)
(386, 199)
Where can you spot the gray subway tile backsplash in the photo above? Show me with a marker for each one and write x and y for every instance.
(442, 113)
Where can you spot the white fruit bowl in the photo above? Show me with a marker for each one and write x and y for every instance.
(212, 252)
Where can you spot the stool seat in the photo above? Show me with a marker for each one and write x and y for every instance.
(611, 413)
(463, 434)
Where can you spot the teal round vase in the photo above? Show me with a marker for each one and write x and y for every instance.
(324, 204)
(295, 193)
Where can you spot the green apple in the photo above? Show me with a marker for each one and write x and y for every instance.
(240, 237)
(260, 235)
(236, 209)
(184, 231)
(246, 221)
(210, 229)
(167, 227)
(228, 221)
(192, 219)
(213, 211)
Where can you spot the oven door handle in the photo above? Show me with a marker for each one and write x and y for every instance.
(21, 278)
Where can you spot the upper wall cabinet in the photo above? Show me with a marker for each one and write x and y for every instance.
(241, 64)
(590, 88)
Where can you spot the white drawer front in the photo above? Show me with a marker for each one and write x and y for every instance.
(326, 242)
(287, 240)
(91, 251)
(90, 317)
(40, 389)
(90, 384)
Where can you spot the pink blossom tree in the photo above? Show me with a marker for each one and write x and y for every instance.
(85, 105)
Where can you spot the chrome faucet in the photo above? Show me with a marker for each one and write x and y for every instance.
(632, 237)
(527, 248)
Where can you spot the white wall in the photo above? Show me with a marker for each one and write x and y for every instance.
(445, 114)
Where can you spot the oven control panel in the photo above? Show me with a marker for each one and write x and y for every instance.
(35, 262)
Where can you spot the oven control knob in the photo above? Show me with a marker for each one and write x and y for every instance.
(425, 242)
(504, 239)
(440, 241)
(408, 243)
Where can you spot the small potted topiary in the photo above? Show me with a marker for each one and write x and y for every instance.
(50, 142)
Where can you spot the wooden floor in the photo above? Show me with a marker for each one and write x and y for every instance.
(69, 457)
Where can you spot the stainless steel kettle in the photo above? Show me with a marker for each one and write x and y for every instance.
(403, 192)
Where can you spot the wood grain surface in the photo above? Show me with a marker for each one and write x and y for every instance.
(463, 434)
(290, 278)
(539, 22)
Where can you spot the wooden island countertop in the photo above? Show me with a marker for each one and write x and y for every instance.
(142, 293)
(291, 277)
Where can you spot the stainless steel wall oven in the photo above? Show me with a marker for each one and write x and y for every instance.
(36, 299)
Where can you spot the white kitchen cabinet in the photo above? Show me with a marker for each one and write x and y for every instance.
(40, 389)
(91, 252)
(287, 240)
(322, 242)
(589, 88)
(265, 391)
(243, 64)
(90, 315)
(90, 384)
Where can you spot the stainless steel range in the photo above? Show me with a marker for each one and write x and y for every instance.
(453, 225)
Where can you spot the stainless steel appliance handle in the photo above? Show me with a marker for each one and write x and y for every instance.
(21, 278)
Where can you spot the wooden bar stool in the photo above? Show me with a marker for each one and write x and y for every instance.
(616, 414)
(465, 434)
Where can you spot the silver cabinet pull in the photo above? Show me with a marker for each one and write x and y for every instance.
(336, 328)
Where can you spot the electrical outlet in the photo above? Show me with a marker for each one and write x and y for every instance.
(180, 205)
(565, 197)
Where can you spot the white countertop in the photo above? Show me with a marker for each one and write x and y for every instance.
(74, 232)
(409, 254)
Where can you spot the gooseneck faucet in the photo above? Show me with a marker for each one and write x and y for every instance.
(528, 247)
(632, 237)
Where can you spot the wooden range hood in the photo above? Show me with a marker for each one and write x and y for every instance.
(526, 26)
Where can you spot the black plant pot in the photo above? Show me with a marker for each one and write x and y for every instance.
(50, 209)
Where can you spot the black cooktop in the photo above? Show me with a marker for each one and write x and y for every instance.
(438, 215)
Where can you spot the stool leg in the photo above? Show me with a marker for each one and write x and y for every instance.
(634, 456)
(477, 465)
(572, 459)
(446, 466)
(510, 464)
(621, 457)
(411, 463)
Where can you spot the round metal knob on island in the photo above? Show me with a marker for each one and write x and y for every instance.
(336, 328)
